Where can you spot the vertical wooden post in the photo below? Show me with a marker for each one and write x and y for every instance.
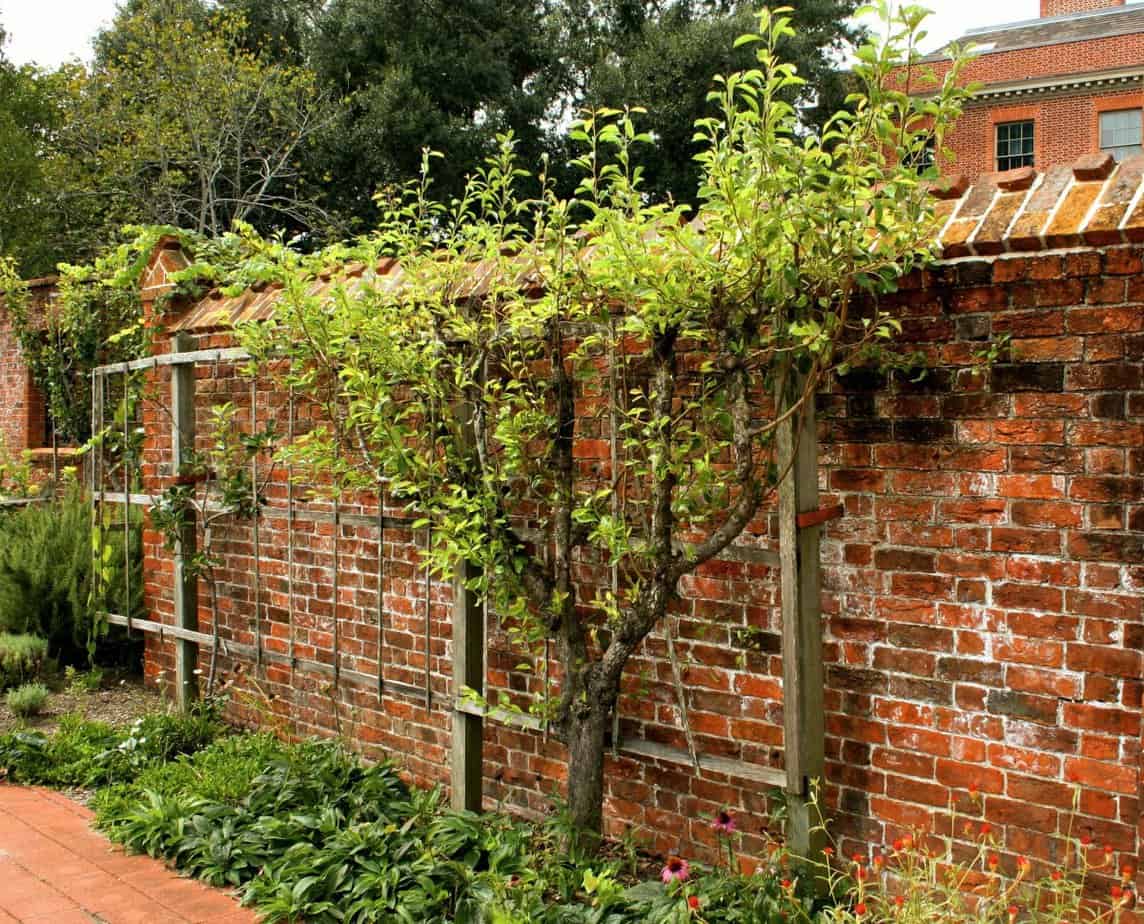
(468, 671)
(186, 584)
(466, 765)
(804, 724)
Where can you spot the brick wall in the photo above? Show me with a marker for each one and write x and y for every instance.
(982, 594)
(22, 423)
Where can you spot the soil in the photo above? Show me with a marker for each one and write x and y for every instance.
(120, 700)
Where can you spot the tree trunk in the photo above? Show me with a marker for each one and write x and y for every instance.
(586, 728)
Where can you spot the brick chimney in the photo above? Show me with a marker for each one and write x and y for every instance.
(1064, 7)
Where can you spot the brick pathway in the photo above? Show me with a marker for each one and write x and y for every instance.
(54, 869)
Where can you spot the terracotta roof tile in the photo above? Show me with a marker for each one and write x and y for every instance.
(1066, 206)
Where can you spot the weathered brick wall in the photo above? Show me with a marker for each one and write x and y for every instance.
(22, 422)
(982, 594)
(13, 388)
(984, 589)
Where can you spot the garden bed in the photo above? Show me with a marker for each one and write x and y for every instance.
(307, 831)
(120, 700)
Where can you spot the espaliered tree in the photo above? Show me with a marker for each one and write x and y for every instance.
(479, 381)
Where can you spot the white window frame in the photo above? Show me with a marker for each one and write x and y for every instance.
(1121, 141)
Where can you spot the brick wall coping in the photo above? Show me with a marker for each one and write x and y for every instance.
(41, 282)
(1093, 202)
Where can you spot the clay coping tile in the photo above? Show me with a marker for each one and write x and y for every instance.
(1009, 211)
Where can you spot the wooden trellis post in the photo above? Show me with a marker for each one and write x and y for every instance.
(186, 592)
(803, 720)
(468, 671)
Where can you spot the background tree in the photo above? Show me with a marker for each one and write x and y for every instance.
(662, 54)
(479, 399)
(411, 74)
(178, 123)
(32, 229)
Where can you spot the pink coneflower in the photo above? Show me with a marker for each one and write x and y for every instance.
(675, 868)
(724, 822)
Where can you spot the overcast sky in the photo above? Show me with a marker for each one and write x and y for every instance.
(49, 32)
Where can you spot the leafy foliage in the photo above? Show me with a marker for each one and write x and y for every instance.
(17, 473)
(22, 658)
(95, 317)
(690, 337)
(50, 584)
(668, 53)
(85, 753)
(180, 124)
(293, 114)
(309, 832)
(29, 114)
(215, 485)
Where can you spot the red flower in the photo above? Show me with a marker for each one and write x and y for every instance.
(693, 902)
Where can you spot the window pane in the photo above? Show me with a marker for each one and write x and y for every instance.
(1015, 147)
(1120, 132)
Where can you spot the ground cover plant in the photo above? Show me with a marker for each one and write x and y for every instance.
(307, 831)
(92, 754)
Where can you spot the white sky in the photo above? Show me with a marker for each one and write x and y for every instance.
(49, 32)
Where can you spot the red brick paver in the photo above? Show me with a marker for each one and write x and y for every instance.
(54, 869)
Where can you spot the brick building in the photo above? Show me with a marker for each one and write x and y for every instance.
(983, 595)
(1052, 89)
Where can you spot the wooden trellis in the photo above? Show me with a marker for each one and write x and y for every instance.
(797, 561)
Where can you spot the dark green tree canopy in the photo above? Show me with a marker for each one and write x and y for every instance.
(357, 90)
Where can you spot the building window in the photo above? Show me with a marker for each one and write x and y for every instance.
(1120, 132)
(1014, 144)
(921, 159)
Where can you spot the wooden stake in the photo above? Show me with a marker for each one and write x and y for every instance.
(186, 591)
(468, 672)
(803, 708)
